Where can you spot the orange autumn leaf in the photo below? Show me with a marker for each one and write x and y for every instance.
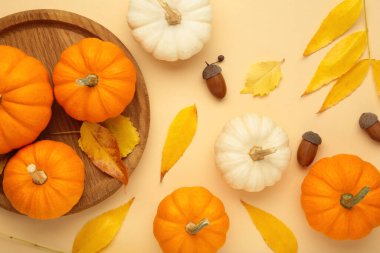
(101, 147)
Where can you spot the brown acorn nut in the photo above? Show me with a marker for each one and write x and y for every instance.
(214, 79)
(308, 148)
(370, 123)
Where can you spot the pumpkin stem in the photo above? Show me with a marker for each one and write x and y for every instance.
(348, 200)
(173, 16)
(193, 229)
(39, 176)
(90, 80)
(258, 153)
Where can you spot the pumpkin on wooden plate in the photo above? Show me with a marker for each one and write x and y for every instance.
(341, 197)
(44, 180)
(252, 152)
(25, 98)
(191, 219)
(94, 80)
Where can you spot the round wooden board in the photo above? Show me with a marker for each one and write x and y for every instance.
(44, 34)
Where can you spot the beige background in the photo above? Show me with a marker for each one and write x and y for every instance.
(245, 31)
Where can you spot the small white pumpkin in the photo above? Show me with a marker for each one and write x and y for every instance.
(171, 29)
(252, 152)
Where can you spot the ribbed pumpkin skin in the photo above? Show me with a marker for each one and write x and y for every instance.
(322, 188)
(26, 98)
(61, 191)
(190, 204)
(114, 91)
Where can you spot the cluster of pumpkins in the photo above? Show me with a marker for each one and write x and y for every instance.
(340, 195)
(93, 81)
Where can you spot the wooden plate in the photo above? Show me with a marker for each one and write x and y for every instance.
(44, 34)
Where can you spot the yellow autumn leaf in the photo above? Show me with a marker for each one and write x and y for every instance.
(339, 20)
(179, 137)
(376, 73)
(274, 232)
(263, 77)
(99, 232)
(126, 134)
(101, 147)
(347, 84)
(340, 59)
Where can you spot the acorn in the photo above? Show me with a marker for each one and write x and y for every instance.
(370, 123)
(214, 79)
(308, 148)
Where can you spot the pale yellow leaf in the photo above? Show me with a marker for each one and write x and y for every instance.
(340, 59)
(263, 77)
(339, 20)
(125, 133)
(99, 232)
(274, 232)
(101, 147)
(347, 84)
(376, 73)
(179, 137)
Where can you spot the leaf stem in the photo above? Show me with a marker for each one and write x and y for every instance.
(366, 29)
(28, 243)
(66, 132)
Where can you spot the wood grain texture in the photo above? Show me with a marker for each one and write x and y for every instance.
(44, 34)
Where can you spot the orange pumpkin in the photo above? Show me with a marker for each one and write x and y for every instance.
(341, 197)
(25, 98)
(191, 220)
(44, 180)
(94, 80)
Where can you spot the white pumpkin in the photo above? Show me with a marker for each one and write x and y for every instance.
(171, 29)
(252, 152)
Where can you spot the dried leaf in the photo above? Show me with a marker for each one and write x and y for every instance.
(125, 133)
(341, 58)
(376, 73)
(274, 232)
(101, 147)
(339, 20)
(100, 231)
(347, 84)
(179, 137)
(262, 78)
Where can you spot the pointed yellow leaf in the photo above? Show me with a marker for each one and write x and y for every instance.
(99, 232)
(376, 73)
(339, 60)
(347, 84)
(339, 20)
(263, 77)
(126, 134)
(274, 232)
(179, 137)
(101, 147)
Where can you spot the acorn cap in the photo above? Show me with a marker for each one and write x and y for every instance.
(312, 137)
(367, 120)
(211, 70)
